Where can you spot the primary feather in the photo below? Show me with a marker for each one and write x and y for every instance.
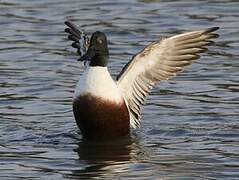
(76, 36)
(159, 61)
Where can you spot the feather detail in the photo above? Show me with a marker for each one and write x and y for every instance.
(77, 36)
(159, 61)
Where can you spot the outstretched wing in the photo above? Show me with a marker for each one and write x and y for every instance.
(159, 61)
(76, 36)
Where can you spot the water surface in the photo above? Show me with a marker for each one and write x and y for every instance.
(190, 124)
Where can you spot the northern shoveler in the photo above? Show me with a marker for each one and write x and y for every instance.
(104, 108)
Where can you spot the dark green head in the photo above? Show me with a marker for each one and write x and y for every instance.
(97, 52)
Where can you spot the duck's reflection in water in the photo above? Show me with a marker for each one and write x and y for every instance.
(105, 158)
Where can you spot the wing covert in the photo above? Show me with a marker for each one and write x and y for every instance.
(159, 61)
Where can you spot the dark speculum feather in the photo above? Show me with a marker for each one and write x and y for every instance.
(73, 27)
(70, 31)
(73, 38)
(76, 45)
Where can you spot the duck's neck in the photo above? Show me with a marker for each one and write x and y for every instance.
(99, 60)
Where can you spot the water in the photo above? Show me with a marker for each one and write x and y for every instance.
(189, 126)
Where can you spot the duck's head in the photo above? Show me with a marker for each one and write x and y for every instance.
(97, 52)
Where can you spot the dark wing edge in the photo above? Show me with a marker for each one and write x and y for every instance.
(76, 35)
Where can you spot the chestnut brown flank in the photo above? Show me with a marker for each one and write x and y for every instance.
(100, 119)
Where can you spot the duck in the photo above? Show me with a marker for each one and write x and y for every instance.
(105, 108)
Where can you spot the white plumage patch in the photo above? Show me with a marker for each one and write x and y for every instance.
(97, 81)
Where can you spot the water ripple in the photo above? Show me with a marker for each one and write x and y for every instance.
(189, 125)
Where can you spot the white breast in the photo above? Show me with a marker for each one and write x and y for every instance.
(97, 81)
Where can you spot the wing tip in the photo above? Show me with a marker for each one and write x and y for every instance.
(71, 25)
(210, 33)
(210, 30)
(67, 23)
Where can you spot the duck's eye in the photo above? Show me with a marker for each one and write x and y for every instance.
(99, 40)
